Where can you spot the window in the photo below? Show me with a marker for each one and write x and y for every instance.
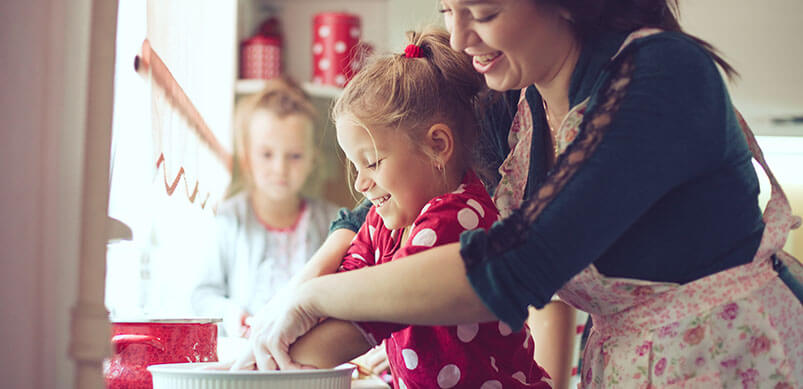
(151, 274)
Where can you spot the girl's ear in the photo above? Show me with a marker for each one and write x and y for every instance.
(440, 140)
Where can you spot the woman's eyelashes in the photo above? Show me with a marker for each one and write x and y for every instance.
(373, 165)
(485, 18)
(479, 16)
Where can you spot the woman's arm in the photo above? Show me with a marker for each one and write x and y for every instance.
(329, 344)
(325, 261)
(428, 288)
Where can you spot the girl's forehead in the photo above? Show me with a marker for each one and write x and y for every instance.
(278, 138)
(359, 140)
(266, 122)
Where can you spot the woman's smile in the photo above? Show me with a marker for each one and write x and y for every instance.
(484, 63)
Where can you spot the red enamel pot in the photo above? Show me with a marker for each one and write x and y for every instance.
(139, 344)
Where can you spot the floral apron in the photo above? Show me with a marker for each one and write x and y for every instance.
(742, 327)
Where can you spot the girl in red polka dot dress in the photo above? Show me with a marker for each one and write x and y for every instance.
(406, 124)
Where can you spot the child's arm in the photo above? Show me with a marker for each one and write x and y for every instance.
(553, 330)
(325, 261)
(329, 344)
(327, 258)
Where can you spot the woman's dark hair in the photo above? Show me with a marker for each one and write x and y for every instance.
(591, 17)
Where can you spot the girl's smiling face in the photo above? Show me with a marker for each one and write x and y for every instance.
(513, 43)
(397, 176)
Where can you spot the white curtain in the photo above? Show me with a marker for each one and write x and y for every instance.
(165, 181)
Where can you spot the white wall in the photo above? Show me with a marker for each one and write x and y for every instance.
(43, 114)
(761, 39)
(20, 155)
(406, 15)
(784, 156)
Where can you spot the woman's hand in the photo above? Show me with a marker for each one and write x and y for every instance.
(276, 326)
(325, 261)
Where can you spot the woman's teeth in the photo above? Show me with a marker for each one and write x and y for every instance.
(381, 201)
(487, 58)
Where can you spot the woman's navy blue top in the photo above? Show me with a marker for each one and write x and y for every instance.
(669, 194)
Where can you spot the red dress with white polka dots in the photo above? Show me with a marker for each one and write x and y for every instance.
(485, 356)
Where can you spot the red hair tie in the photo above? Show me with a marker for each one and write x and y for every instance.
(413, 51)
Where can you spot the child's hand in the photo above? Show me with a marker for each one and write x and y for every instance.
(377, 360)
(234, 323)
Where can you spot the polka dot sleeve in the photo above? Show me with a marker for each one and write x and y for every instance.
(441, 221)
(361, 252)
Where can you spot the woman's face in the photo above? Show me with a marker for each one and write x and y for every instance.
(514, 43)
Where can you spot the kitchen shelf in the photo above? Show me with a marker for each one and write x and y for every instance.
(248, 86)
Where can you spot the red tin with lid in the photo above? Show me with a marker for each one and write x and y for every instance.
(261, 57)
(335, 38)
(139, 344)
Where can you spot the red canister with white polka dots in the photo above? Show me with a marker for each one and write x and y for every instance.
(261, 57)
(335, 37)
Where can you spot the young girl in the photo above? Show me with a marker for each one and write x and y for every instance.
(266, 230)
(405, 123)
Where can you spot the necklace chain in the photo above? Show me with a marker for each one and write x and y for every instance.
(553, 136)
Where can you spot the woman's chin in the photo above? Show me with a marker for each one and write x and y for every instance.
(501, 82)
(497, 83)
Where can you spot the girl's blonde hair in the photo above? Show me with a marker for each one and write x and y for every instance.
(282, 97)
(411, 94)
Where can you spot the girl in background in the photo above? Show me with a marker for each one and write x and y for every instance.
(266, 230)
(406, 124)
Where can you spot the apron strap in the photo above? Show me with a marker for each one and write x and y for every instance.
(758, 154)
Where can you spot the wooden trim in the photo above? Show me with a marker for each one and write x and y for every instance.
(90, 328)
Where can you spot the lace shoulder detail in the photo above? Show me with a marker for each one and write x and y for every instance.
(512, 231)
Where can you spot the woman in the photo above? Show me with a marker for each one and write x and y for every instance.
(628, 189)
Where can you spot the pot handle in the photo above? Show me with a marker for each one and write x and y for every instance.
(120, 342)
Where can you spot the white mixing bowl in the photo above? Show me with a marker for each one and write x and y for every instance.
(200, 376)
